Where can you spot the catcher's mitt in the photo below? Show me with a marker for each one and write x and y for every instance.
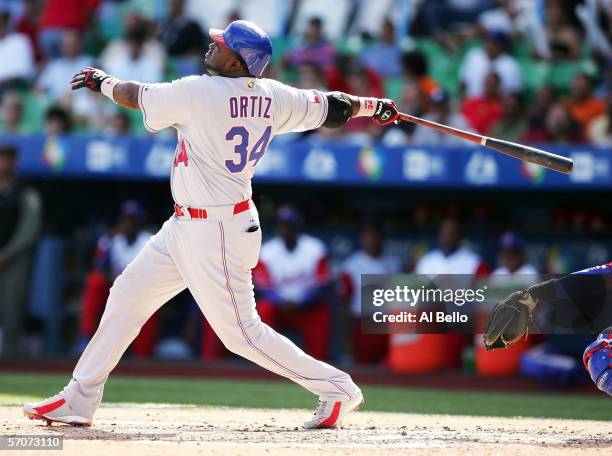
(508, 321)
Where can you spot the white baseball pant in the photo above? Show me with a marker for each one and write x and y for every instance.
(213, 257)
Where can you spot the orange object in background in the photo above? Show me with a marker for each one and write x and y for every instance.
(418, 352)
(500, 362)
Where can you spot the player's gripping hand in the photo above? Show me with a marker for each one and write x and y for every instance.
(509, 320)
(386, 112)
(90, 78)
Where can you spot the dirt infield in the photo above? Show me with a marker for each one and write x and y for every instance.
(155, 429)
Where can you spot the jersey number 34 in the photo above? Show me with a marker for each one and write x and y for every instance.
(241, 148)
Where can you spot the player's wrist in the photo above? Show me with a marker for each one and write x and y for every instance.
(367, 107)
(107, 87)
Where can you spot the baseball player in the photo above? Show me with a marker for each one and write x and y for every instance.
(224, 124)
(579, 299)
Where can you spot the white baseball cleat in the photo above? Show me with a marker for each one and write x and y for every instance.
(55, 409)
(330, 413)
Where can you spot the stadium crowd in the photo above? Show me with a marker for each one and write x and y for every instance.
(518, 70)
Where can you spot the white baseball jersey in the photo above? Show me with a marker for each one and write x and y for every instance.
(224, 126)
(122, 253)
(461, 261)
(293, 273)
(459, 267)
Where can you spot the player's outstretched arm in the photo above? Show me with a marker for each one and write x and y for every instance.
(585, 290)
(124, 93)
(342, 107)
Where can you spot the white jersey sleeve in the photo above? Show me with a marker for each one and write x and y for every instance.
(166, 104)
(297, 109)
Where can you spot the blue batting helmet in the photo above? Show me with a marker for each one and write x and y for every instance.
(247, 40)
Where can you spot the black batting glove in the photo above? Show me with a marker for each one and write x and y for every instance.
(386, 112)
(90, 78)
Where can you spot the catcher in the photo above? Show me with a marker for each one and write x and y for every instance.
(578, 302)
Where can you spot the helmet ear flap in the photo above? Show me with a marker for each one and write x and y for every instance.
(243, 64)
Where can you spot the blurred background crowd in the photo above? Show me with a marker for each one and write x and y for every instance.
(535, 71)
(529, 70)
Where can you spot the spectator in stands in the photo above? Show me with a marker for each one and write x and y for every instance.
(293, 282)
(451, 256)
(20, 223)
(11, 114)
(180, 34)
(58, 121)
(501, 18)
(513, 124)
(513, 269)
(28, 24)
(545, 97)
(440, 112)
(416, 96)
(362, 80)
(311, 76)
(563, 38)
(520, 20)
(493, 57)
(416, 70)
(348, 70)
(59, 15)
(136, 56)
(52, 80)
(583, 106)
(414, 102)
(114, 251)
(315, 47)
(384, 56)
(559, 127)
(16, 57)
(483, 112)
(369, 259)
(600, 129)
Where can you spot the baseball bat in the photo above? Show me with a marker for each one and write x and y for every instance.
(525, 153)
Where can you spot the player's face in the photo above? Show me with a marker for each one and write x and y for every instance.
(219, 59)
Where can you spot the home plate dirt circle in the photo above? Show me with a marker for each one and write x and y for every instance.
(154, 429)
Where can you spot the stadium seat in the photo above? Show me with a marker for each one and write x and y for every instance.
(394, 88)
(34, 108)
